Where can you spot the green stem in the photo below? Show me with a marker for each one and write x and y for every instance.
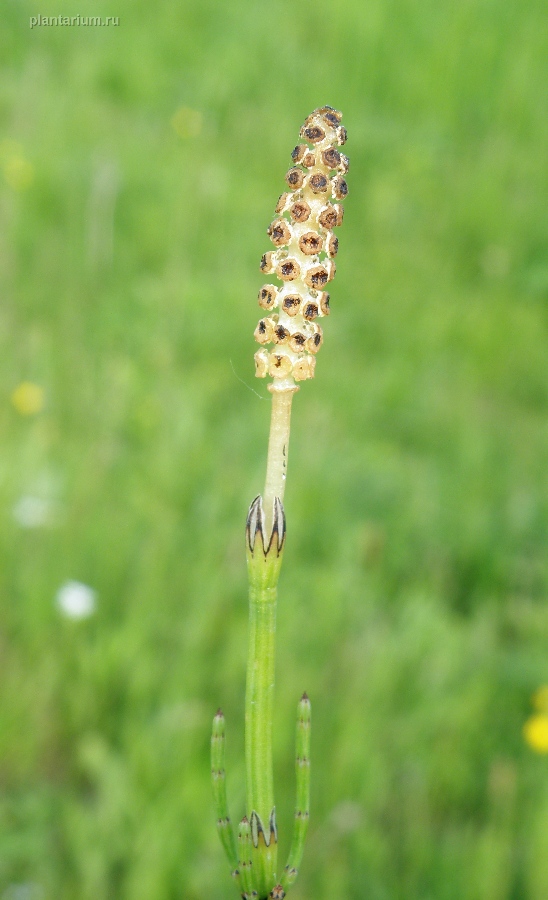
(258, 734)
(259, 702)
(264, 564)
(265, 539)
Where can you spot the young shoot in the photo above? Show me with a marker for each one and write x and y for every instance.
(303, 264)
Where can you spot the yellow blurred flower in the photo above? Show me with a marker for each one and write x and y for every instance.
(186, 122)
(540, 698)
(535, 732)
(18, 172)
(28, 398)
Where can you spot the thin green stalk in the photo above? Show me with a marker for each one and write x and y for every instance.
(302, 806)
(218, 779)
(278, 443)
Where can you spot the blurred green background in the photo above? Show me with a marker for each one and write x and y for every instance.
(140, 165)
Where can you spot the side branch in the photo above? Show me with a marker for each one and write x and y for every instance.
(245, 863)
(302, 772)
(218, 779)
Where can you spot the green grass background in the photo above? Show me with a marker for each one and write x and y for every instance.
(413, 599)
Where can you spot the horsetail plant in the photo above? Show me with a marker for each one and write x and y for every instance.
(303, 261)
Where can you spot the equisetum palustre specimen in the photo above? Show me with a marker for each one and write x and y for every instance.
(290, 335)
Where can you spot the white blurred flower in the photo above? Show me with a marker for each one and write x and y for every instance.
(32, 512)
(76, 600)
(347, 816)
(25, 891)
